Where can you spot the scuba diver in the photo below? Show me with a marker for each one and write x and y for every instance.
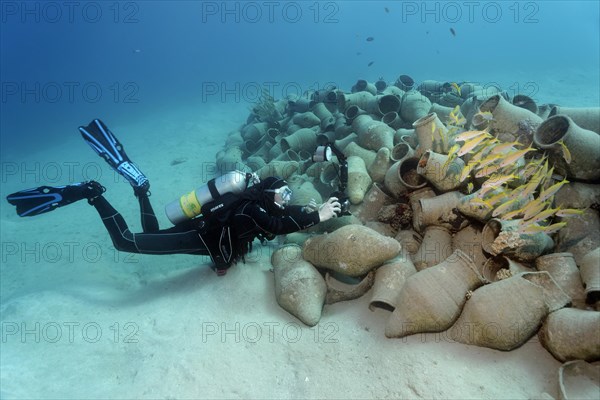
(225, 230)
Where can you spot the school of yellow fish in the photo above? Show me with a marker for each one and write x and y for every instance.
(510, 184)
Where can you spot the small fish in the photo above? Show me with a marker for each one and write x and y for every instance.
(371, 63)
(545, 167)
(358, 53)
(370, 39)
(488, 160)
(547, 193)
(450, 158)
(569, 212)
(484, 204)
(529, 170)
(470, 187)
(529, 229)
(387, 10)
(531, 187)
(524, 191)
(470, 145)
(565, 152)
(453, 150)
(512, 214)
(534, 228)
(461, 121)
(502, 147)
(490, 169)
(497, 180)
(465, 172)
(546, 179)
(501, 196)
(452, 31)
(444, 140)
(533, 208)
(486, 115)
(454, 114)
(480, 154)
(485, 190)
(547, 213)
(504, 207)
(455, 86)
(464, 136)
(535, 181)
(514, 157)
(554, 227)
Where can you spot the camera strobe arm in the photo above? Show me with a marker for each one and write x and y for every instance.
(323, 153)
(343, 166)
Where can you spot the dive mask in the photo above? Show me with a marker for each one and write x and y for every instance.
(283, 195)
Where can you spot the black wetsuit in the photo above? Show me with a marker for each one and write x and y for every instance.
(223, 244)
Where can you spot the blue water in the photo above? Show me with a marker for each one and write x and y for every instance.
(63, 65)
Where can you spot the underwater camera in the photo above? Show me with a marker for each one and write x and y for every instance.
(324, 153)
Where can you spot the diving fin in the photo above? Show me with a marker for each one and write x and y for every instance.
(103, 142)
(43, 199)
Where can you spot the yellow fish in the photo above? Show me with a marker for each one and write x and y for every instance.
(533, 208)
(464, 136)
(480, 154)
(470, 187)
(554, 227)
(486, 115)
(534, 228)
(470, 145)
(481, 203)
(565, 152)
(509, 160)
(517, 192)
(497, 197)
(530, 187)
(489, 160)
(547, 213)
(512, 214)
(534, 169)
(514, 157)
(453, 149)
(454, 114)
(465, 172)
(455, 86)
(485, 190)
(496, 181)
(456, 117)
(451, 156)
(504, 207)
(547, 178)
(489, 169)
(501, 148)
(547, 193)
(569, 212)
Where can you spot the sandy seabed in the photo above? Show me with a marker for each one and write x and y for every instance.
(80, 320)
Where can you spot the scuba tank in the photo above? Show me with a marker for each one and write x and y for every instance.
(189, 205)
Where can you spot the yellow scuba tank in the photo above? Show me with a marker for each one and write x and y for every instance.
(189, 205)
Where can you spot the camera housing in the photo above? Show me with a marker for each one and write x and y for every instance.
(325, 153)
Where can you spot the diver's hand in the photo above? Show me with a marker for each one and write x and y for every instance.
(330, 209)
(311, 206)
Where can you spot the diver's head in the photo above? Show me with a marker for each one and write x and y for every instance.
(279, 192)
